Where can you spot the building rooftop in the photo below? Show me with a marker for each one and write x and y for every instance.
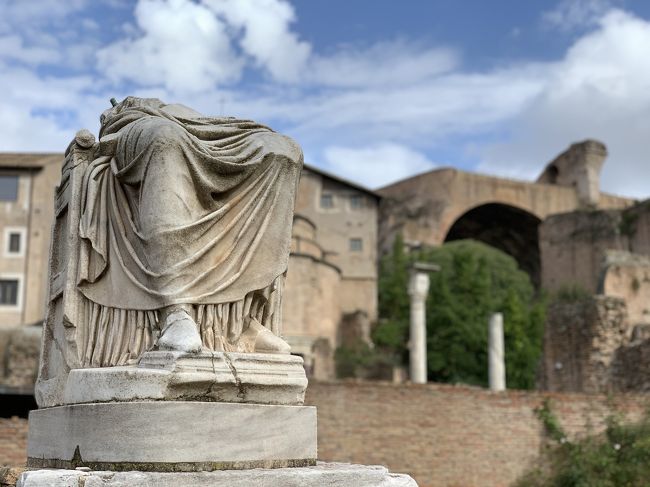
(9, 160)
(341, 180)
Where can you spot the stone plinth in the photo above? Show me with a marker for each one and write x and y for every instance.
(321, 475)
(210, 376)
(172, 436)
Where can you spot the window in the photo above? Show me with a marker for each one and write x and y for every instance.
(327, 200)
(356, 244)
(356, 201)
(9, 292)
(14, 243)
(8, 188)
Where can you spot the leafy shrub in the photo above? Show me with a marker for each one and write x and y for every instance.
(619, 457)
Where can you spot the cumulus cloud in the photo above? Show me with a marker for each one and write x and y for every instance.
(599, 90)
(187, 46)
(377, 165)
(267, 36)
(181, 45)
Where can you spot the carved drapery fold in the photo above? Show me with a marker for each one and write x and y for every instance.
(114, 336)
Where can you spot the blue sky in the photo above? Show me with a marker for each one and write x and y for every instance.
(374, 90)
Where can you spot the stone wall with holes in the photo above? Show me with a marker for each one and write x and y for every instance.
(582, 338)
(579, 247)
(596, 267)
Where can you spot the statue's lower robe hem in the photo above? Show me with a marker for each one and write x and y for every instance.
(115, 336)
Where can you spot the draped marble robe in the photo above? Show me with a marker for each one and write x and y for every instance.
(182, 209)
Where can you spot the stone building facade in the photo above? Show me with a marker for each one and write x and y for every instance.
(26, 194)
(332, 269)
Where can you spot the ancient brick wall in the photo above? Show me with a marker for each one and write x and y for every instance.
(448, 436)
(444, 436)
(13, 441)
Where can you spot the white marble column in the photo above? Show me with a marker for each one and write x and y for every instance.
(496, 356)
(418, 291)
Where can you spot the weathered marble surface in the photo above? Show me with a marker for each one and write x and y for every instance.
(172, 436)
(321, 475)
(210, 376)
(172, 232)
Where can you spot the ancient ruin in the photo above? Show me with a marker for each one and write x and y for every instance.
(598, 264)
(448, 204)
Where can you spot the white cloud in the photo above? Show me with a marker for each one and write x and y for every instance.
(33, 108)
(601, 89)
(384, 63)
(12, 47)
(376, 165)
(192, 47)
(267, 36)
(182, 46)
(572, 14)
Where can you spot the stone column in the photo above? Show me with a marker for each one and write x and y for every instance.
(496, 362)
(418, 290)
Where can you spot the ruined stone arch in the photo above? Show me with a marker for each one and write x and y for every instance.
(510, 229)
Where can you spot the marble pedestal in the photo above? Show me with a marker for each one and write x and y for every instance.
(172, 436)
(212, 419)
(259, 378)
(321, 475)
(175, 411)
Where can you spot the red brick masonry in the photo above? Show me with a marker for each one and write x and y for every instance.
(13, 441)
(447, 436)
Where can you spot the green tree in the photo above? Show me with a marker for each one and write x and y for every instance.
(475, 280)
(392, 330)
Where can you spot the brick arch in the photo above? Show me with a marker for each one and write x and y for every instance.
(508, 228)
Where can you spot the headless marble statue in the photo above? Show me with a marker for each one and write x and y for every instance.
(188, 217)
